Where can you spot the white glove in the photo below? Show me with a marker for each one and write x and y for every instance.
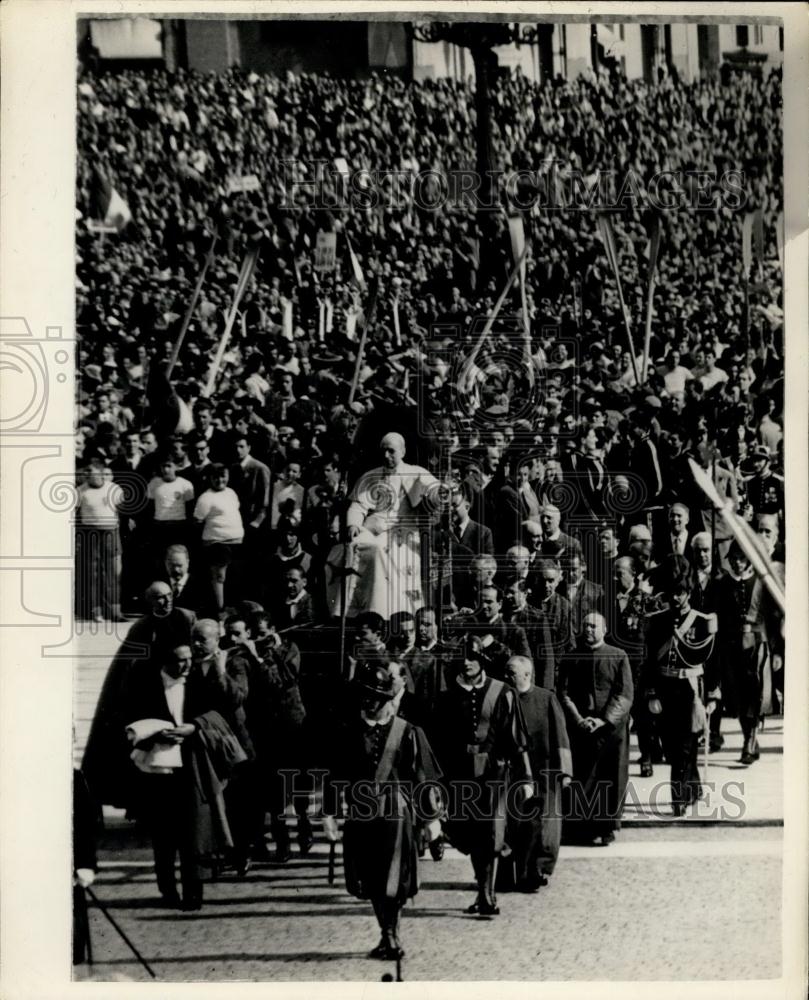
(85, 877)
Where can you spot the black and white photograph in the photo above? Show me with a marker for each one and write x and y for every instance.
(427, 470)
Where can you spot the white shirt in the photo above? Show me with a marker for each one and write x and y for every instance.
(98, 505)
(678, 543)
(675, 378)
(174, 688)
(170, 498)
(218, 510)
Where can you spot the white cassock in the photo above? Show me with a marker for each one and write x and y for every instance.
(385, 558)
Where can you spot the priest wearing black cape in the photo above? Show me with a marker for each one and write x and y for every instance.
(387, 772)
(595, 687)
(535, 840)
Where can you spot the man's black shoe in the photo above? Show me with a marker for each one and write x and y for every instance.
(192, 901)
(437, 847)
(282, 854)
(171, 900)
(483, 908)
(388, 949)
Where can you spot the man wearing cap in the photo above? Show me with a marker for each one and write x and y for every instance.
(480, 740)
(385, 531)
(765, 488)
(743, 646)
(680, 680)
(378, 761)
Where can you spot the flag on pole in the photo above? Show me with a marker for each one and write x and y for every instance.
(108, 207)
(359, 277)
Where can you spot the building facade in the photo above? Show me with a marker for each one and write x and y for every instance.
(355, 47)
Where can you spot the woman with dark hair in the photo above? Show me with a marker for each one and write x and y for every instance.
(680, 680)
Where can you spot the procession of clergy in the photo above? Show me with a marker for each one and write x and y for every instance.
(500, 728)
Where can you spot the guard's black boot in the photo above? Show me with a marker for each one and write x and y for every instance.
(487, 900)
(748, 751)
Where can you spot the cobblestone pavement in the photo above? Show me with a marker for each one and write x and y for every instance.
(668, 903)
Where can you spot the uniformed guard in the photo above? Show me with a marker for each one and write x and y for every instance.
(743, 646)
(480, 738)
(378, 760)
(680, 681)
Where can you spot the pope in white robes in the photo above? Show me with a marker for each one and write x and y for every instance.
(384, 534)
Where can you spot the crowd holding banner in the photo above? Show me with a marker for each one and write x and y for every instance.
(540, 463)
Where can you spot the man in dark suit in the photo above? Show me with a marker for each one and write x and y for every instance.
(220, 447)
(499, 639)
(430, 667)
(596, 692)
(645, 458)
(180, 691)
(517, 611)
(199, 472)
(251, 481)
(467, 535)
(296, 608)
(676, 540)
(188, 591)
(555, 609)
(148, 641)
(582, 595)
(555, 543)
(223, 677)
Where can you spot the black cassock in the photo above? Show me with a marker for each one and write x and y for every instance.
(598, 683)
(535, 841)
(378, 767)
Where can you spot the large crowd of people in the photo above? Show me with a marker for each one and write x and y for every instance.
(512, 558)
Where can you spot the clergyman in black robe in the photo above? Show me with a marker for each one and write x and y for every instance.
(535, 840)
(596, 691)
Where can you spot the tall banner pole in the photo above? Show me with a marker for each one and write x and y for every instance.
(248, 266)
(369, 318)
(608, 239)
(496, 311)
(654, 248)
(192, 305)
